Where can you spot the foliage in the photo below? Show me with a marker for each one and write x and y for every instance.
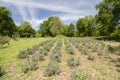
(69, 48)
(4, 40)
(16, 36)
(25, 29)
(116, 32)
(91, 56)
(55, 56)
(30, 64)
(71, 30)
(25, 53)
(78, 75)
(51, 27)
(7, 25)
(37, 34)
(108, 16)
(71, 62)
(52, 68)
(85, 26)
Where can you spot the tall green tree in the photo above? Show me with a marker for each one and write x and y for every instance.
(108, 16)
(7, 25)
(44, 28)
(86, 26)
(71, 30)
(26, 30)
(55, 26)
(66, 30)
(52, 27)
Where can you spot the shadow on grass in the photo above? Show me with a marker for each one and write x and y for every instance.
(109, 38)
(3, 47)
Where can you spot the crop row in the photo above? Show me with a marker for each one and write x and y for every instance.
(30, 51)
(68, 47)
(53, 67)
(31, 62)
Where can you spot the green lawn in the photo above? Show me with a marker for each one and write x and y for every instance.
(9, 52)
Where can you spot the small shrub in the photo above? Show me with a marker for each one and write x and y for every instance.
(71, 51)
(41, 56)
(29, 65)
(91, 56)
(78, 75)
(4, 40)
(23, 54)
(52, 68)
(56, 56)
(44, 52)
(26, 66)
(70, 62)
(77, 61)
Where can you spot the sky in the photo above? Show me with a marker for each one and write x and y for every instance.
(36, 11)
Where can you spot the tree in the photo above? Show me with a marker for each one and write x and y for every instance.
(85, 26)
(44, 28)
(71, 30)
(80, 27)
(108, 16)
(55, 26)
(7, 25)
(26, 30)
(52, 27)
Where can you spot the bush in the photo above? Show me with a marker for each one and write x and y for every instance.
(91, 56)
(40, 56)
(29, 65)
(16, 36)
(52, 68)
(78, 75)
(71, 62)
(4, 40)
(56, 57)
(23, 54)
(77, 61)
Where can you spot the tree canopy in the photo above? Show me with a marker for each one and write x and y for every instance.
(7, 25)
(108, 16)
(105, 23)
(85, 26)
(26, 30)
(52, 27)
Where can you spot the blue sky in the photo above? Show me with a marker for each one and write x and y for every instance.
(35, 11)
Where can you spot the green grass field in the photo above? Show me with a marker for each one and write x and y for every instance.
(9, 52)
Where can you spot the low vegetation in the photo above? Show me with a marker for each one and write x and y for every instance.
(52, 57)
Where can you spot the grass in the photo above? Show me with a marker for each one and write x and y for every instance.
(9, 52)
(60, 36)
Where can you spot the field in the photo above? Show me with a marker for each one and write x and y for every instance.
(61, 59)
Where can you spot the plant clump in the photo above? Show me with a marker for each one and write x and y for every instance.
(78, 75)
(30, 64)
(71, 62)
(52, 68)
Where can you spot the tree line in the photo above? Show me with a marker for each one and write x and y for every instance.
(105, 23)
